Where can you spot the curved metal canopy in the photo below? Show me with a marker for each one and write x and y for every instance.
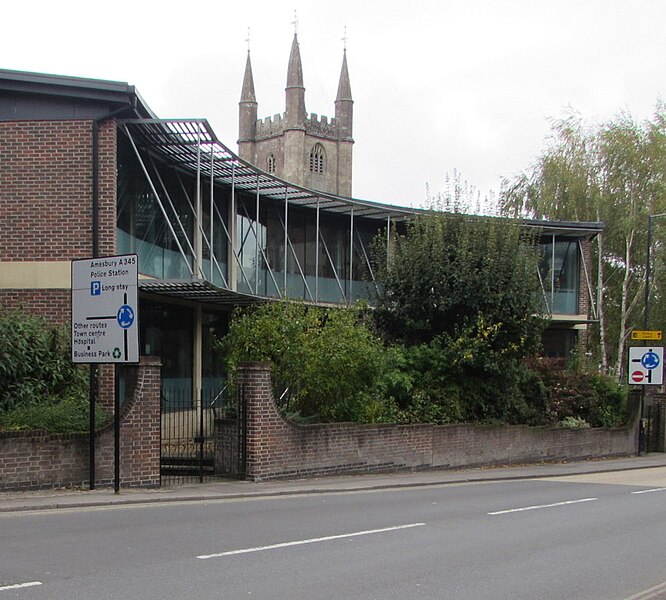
(192, 144)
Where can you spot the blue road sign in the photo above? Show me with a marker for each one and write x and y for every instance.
(125, 316)
(95, 288)
(650, 360)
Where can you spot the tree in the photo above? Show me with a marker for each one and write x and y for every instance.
(461, 294)
(449, 269)
(613, 173)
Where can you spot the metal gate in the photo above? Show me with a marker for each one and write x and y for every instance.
(655, 427)
(201, 439)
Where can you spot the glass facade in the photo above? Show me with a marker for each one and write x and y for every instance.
(559, 272)
(185, 228)
(157, 220)
(318, 267)
(166, 330)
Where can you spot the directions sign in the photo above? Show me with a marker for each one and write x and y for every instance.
(646, 334)
(104, 310)
(646, 365)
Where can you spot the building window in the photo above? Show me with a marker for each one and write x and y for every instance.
(317, 159)
(270, 163)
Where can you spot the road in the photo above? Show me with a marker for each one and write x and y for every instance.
(590, 537)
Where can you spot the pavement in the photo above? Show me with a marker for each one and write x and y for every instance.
(226, 489)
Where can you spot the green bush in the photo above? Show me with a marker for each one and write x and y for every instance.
(69, 415)
(574, 423)
(40, 388)
(596, 398)
(330, 359)
(35, 363)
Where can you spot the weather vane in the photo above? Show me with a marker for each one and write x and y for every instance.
(295, 23)
(247, 39)
(344, 39)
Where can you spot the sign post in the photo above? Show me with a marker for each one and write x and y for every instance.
(646, 367)
(105, 326)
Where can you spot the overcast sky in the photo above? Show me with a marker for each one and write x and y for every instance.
(437, 85)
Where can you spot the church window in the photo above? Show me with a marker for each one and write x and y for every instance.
(270, 163)
(317, 159)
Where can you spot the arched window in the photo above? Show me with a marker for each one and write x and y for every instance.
(317, 157)
(270, 163)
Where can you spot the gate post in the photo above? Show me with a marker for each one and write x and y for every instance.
(140, 427)
(255, 396)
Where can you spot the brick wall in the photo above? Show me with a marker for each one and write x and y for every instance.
(46, 191)
(53, 305)
(46, 208)
(33, 460)
(276, 448)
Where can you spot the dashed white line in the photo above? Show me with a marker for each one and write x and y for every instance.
(18, 586)
(663, 489)
(309, 541)
(539, 506)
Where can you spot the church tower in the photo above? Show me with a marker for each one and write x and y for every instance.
(307, 150)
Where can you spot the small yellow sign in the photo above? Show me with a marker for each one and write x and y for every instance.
(642, 334)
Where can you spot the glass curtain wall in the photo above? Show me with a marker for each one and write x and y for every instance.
(166, 245)
(316, 269)
(166, 330)
(215, 326)
(559, 269)
(141, 226)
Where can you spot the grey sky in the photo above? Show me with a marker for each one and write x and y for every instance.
(437, 85)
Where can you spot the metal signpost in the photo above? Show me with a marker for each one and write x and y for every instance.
(646, 367)
(105, 326)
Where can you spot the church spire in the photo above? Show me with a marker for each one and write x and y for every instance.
(247, 93)
(247, 109)
(344, 87)
(344, 105)
(295, 91)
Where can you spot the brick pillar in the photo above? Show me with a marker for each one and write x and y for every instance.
(253, 381)
(140, 429)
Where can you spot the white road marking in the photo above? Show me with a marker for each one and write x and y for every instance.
(18, 586)
(663, 489)
(310, 541)
(538, 506)
(654, 593)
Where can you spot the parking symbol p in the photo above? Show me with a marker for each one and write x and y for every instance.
(95, 288)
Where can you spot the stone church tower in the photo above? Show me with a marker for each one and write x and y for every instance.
(309, 151)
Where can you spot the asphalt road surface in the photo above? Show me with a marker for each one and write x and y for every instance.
(591, 537)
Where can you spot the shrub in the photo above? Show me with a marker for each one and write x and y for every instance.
(35, 363)
(40, 388)
(596, 398)
(69, 415)
(331, 360)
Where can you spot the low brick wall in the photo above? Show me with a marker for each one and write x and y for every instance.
(276, 448)
(36, 460)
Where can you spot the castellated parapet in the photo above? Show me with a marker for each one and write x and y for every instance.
(317, 125)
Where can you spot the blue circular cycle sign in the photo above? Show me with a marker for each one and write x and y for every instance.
(125, 316)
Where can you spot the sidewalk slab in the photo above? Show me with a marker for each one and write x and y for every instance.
(233, 489)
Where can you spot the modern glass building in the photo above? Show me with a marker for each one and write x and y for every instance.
(212, 232)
